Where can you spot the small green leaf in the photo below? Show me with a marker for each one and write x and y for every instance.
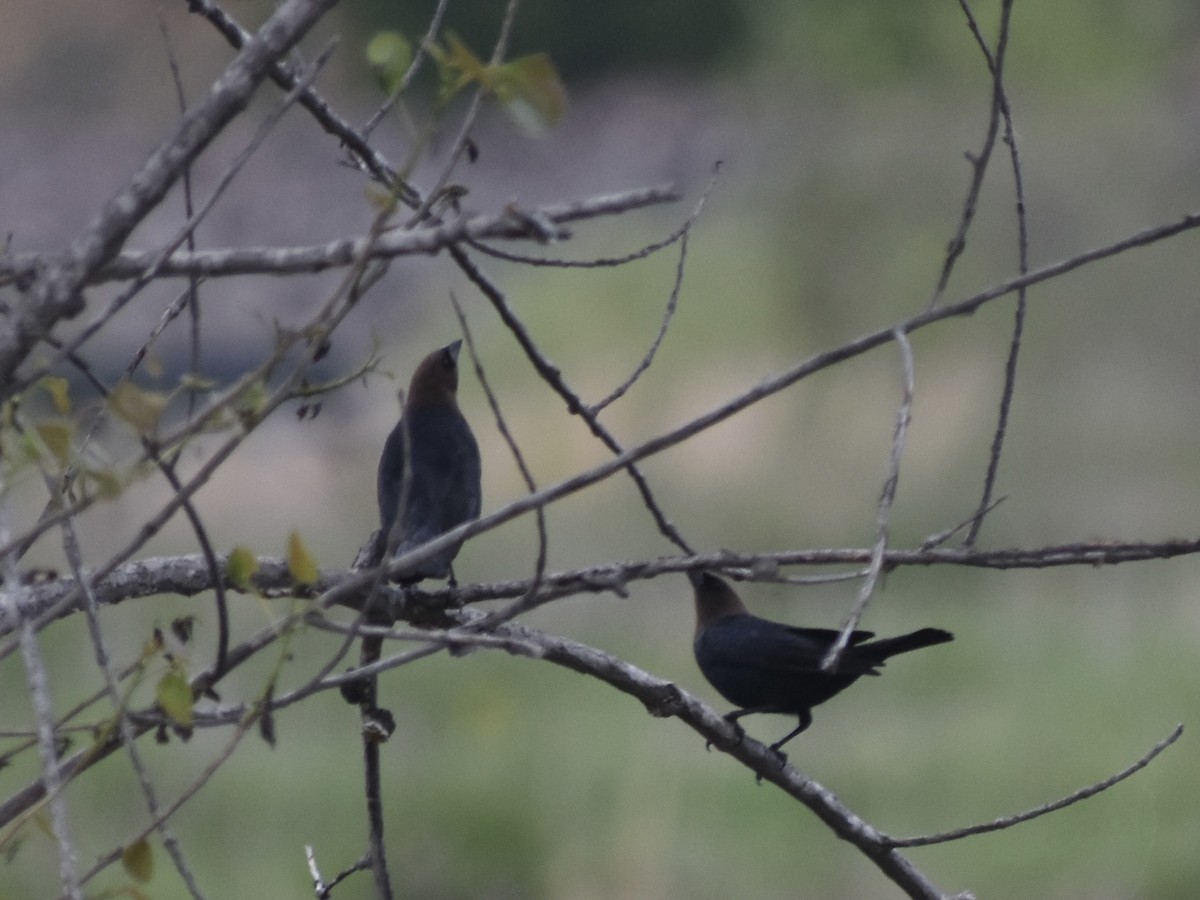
(138, 860)
(140, 408)
(57, 438)
(174, 695)
(59, 391)
(301, 565)
(389, 54)
(530, 91)
(241, 567)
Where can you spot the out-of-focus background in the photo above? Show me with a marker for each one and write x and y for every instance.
(842, 129)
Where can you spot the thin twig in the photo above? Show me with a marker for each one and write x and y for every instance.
(191, 297)
(883, 515)
(157, 259)
(1014, 349)
(672, 302)
(1009, 821)
(372, 778)
(940, 537)
(979, 163)
(57, 292)
(240, 730)
(458, 148)
(128, 738)
(539, 569)
(365, 157)
(322, 890)
(551, 374)
(599, 262)
(422, 51)
(52, 776)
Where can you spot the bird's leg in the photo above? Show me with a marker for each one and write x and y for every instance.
(805, 721)
(452, 581)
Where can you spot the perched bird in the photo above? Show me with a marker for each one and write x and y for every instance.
(762, 666)
(429, 474)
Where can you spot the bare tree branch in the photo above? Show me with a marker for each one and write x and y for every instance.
(662, 698)
(51, 289)
(669, 312)
(510, 223)
(422, 51)
(1000, 101)
(551, 374)
(883, 515)
(979, 161)
(56, 292)
(539, 569)
(365, 156)
(122, 725)
(1009, 821)
(188, 575)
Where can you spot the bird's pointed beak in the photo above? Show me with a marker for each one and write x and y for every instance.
(453, 348)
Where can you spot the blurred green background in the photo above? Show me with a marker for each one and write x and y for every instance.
(842, 131)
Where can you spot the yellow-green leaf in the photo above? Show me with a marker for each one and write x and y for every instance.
(384, 202)
(389, 54)
(241, 567)
(457, 67)
(193, 382)
(59, 391)
(530, 91)
(252, 402)
(140, 408)
(106, 482)
(57, 438)
(152, 365)
(461, 57)
(174, 695)
(301, 564)
(138, 860)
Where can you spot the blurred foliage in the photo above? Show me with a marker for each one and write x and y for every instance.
(870, 42)
(586, 39)
(876, 42)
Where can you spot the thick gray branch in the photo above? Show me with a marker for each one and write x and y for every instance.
(189, 575)
(510, 223)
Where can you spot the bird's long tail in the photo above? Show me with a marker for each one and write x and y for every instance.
(926, 637)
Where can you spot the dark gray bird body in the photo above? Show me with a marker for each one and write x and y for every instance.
(442, 489)
(762, 666)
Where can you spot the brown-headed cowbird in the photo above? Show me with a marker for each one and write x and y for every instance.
(433, 441)
(762, 666)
